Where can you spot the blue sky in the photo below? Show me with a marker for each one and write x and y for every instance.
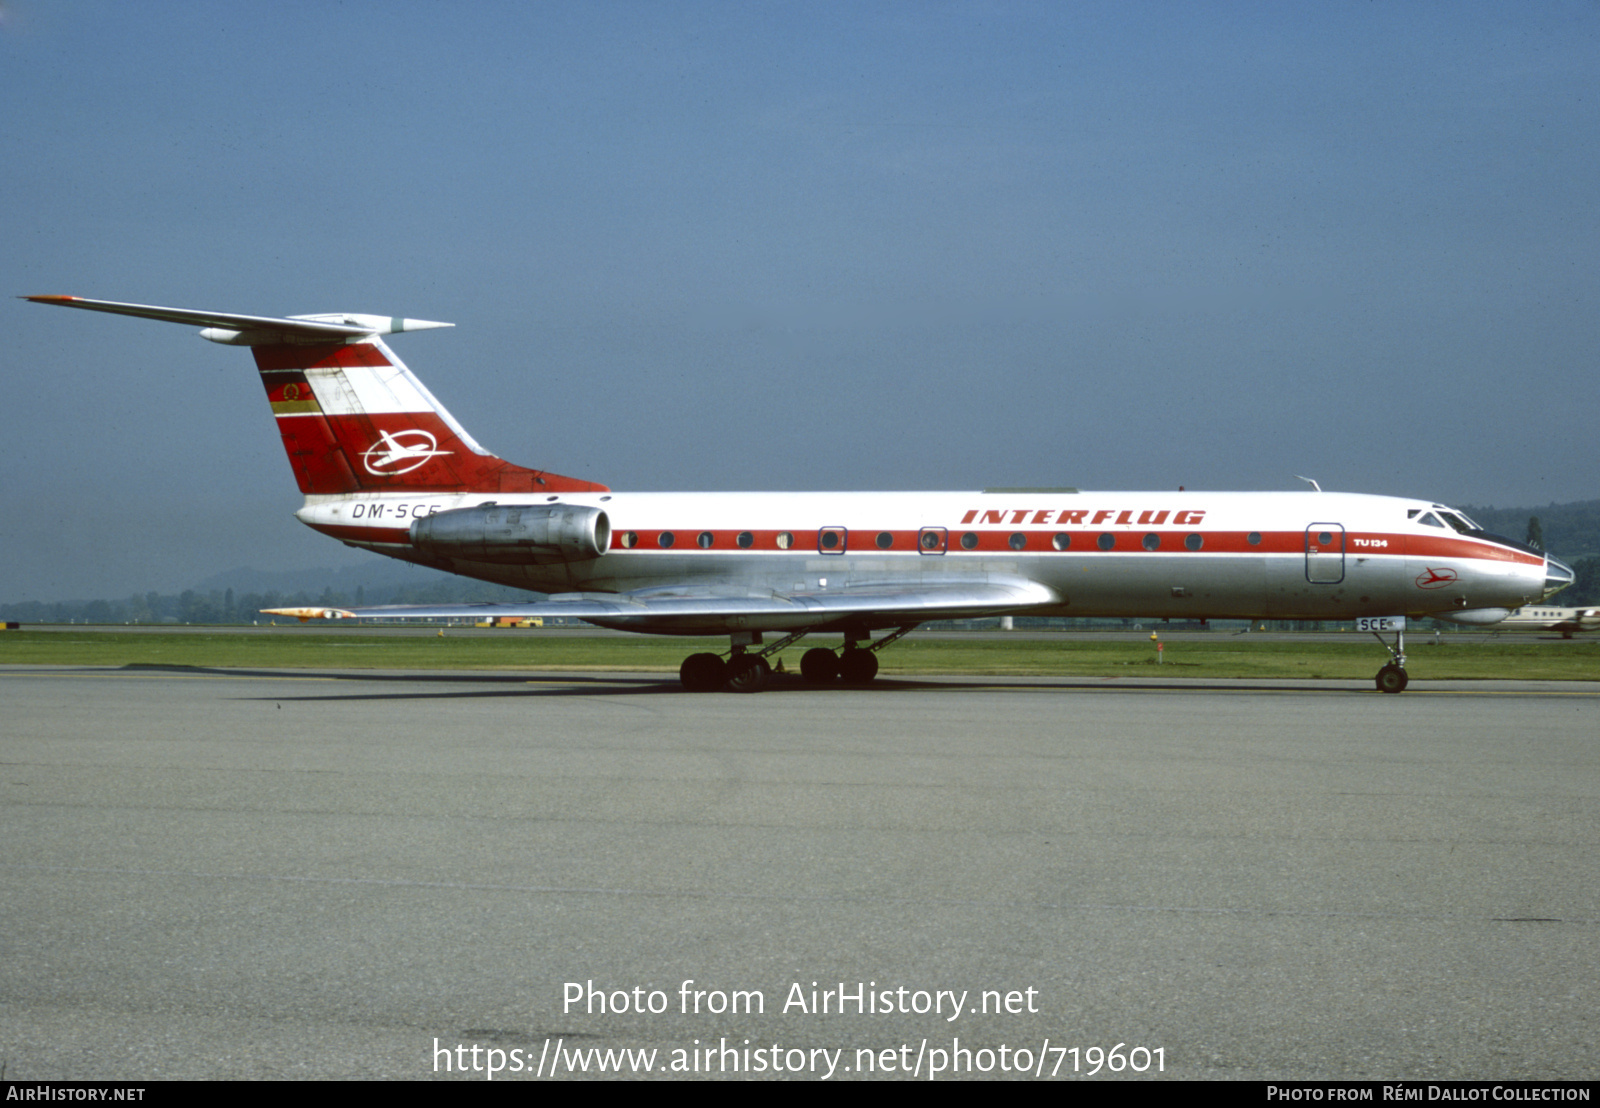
(800, 246)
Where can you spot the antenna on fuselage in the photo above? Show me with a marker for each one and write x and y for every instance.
(1308, 481)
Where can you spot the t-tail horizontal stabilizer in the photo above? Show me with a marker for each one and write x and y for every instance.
(255, 330)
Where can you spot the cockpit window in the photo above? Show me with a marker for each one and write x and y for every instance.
(1453, 515)
(1459, 521)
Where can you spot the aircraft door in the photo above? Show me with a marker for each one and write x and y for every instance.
(1325, 553)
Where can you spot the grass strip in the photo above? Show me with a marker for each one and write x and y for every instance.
(1454, 658)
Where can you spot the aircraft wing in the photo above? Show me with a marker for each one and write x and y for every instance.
(691, 611)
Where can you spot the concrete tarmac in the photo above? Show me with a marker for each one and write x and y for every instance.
(229, 874)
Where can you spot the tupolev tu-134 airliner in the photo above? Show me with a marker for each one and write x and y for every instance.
(385, 467)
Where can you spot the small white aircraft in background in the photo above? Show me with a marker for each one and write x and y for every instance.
(384, 467)
(1566, 620)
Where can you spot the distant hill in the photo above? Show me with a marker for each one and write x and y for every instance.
(1570, 530)
(238, 595)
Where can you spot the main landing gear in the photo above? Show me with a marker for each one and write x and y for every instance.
(744, 671)
(1392, 677)
(856, 664)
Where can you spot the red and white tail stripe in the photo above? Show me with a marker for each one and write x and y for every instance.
(354, 418)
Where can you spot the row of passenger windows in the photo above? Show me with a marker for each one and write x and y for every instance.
(705, 539)
(833, 538)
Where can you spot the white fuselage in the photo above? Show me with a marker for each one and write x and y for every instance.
(1200, 555)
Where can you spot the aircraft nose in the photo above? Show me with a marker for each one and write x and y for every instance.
(1557, 576)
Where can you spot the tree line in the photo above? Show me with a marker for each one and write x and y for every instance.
(226, 606)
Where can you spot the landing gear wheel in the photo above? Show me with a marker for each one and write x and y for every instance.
(748, 673)
(819, 666)
(1392, 679)
(703, 673)
(858, 667)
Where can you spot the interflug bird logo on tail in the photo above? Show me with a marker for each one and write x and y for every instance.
(400, 452)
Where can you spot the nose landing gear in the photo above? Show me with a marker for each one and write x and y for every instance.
(1392, 678)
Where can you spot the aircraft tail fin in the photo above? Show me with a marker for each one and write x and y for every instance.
(353, 418)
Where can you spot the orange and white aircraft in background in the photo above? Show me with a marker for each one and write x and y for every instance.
(383, 466)
(1540, 618)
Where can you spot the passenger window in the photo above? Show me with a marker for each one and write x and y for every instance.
(1106, 541)
(885, 540)
(1061, 541)
(666, 539)
(745, 540)
(628, 540)
(1018, 541)
(1253, 538)
(969, 541)
(704, 539)
(785, 540)
(1194, 542)
(1152, 541)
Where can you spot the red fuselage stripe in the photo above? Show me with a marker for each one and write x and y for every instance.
(865, 541)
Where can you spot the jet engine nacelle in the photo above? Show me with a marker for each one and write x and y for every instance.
(515, 534)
